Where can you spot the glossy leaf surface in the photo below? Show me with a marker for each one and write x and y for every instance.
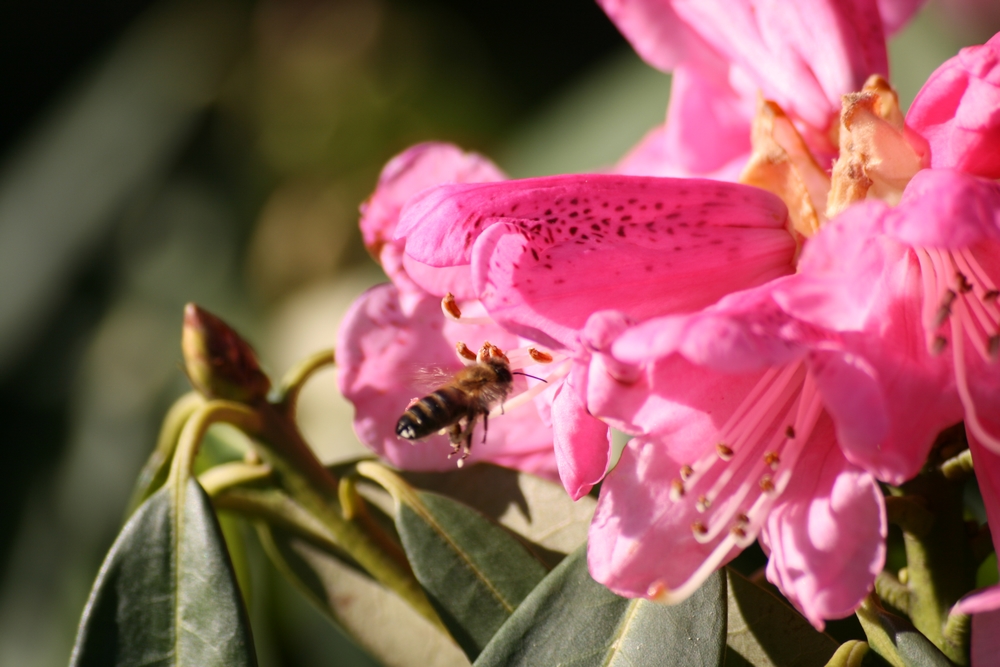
(166, 593)
(385, 626)
(572, 620)
(896, 640)
(474, 571)
(764, 631)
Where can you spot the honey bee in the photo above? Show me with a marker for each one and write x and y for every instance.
(456, 407)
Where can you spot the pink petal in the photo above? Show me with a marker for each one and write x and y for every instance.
(827, 535)
(987, 465)
(656, 33)
(415, 169)
(840, 268)
(985, 639)
(958, 111)
(708, 123)
(942, 208)
(802, 55)
(886, 392)
(979, 602)
(897, 13)
(640, 537)
(383, 344)
(579, 244)
(582, 443)
(744, 331)
(441, 280)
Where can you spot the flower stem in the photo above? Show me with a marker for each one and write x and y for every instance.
(291, 384)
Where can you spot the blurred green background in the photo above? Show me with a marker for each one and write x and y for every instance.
(154, 153)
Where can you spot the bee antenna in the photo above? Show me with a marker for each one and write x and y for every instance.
(530, 376)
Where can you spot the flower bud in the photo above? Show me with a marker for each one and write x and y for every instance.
(219, 363)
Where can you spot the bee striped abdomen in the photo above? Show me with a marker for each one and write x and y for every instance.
(432, 413)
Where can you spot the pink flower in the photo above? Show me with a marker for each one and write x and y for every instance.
(723, 54)
(546, 253)
(394, 331)
(675, 301)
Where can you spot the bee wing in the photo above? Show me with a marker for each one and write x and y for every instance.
(429, 378)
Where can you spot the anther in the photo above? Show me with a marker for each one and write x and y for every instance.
(655, 590)
(539, 356)
(993, 345)
(464, 351)
(963, 283)
(738, 532)
(939, 345)
(991, 295)
(741, 518)
(944, 310)
(676, 489)
(450, 308)
(703, 503)
(725, 451)
(766, 485)
(790, 432)
(686, 472)
(772, 460)
(698, 528)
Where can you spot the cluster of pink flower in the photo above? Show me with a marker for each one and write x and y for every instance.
(776, 346)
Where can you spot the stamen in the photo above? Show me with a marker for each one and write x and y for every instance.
(464, 352)
(725, 452)
(698, 528)
(686, 471)
(991, 295)
(939, 345)
(944, 310)
(560, 371)
(703, 503)
(739, 532)
(539, 356)
(964, 286)
(790, 432)
(452, 312)
(522, 357)
(676, 490)
(771, 460)
(766, 484)
(450, 308)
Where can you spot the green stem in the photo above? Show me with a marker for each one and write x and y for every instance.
(940, 565)
(303, 477)
(288, 392)
(959, 467)
(277, 509)
(154, 472)
(891, 590)
(221, 477)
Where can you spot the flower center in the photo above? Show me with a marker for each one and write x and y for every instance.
(960, 294)
(736, 482)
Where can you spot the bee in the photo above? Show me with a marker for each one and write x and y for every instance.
(456, 407)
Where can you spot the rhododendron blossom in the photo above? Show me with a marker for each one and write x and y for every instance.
(768, 392)
(723, 54)
(752, 415)
(394, 333)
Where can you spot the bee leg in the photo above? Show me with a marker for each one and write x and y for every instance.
(455, 436)
(467, 441)
(486, 424)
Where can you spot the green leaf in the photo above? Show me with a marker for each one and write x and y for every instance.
(764, 631)
(896, 640)
(475, 573)
(378, 620)
(532, 507)
(570, 619)
(166, 593)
